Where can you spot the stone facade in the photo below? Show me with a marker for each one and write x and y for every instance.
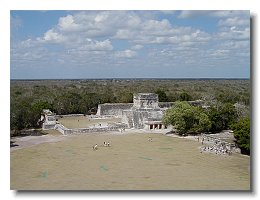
(144, 112)
(48, 119)
(146, 101)
(115, 109)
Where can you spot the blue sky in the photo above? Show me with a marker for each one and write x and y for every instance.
(130, 44)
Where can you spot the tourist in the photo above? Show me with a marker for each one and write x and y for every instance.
(95, 147)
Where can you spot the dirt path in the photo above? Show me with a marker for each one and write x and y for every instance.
(29, 141)
(131, 163)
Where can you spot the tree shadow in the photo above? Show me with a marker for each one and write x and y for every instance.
(12, 144)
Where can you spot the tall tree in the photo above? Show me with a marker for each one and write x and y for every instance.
(162, 95)
(221, 116)
(242, 134)
(187, 118)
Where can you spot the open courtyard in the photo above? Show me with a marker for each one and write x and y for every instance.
(86, 122)
(132, 162)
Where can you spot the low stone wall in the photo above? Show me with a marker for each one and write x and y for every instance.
(47, 126)
(70, 115)
(62, 129)
(113, 108)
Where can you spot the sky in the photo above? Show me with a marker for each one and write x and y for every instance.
(129, 44)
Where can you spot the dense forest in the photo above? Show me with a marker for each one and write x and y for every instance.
(29, 97)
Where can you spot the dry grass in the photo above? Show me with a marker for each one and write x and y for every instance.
(85, 122)
(131, 163)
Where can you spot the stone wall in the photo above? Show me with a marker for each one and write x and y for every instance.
(62, 129)
(136, 118)
(127, 118)
(113, 108)
(69, 115)
(145, 100)
(47, 126)
(65, 131)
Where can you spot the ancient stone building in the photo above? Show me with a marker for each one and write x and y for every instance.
(48, 119)
(144, 113)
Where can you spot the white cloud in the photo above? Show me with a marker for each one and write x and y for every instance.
(220, 52)
(155, 25)
(101, 17)
(72, 29)
(68, 24)
(126, 54)
(234, 33)
(236, 21)
(125, 34)
(213, 13)
(109, 38)
(137, 47)
(235, 44)
(92, 45)
(53, 36)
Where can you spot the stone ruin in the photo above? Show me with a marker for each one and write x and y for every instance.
(48, 119)
(146, 112)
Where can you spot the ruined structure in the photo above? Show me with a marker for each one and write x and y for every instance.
(48, 119)
(144, 113)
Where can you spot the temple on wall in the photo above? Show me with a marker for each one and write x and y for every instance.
(144, 113)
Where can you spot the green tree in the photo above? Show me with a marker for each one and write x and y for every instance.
(184, 96)
(221, 116)
(25, 113)
(125, 97)
(162, 95)
(242, 134)
(35, 112)
(187, 118)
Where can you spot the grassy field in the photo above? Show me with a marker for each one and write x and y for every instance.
(131, 163)
(85, 122)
